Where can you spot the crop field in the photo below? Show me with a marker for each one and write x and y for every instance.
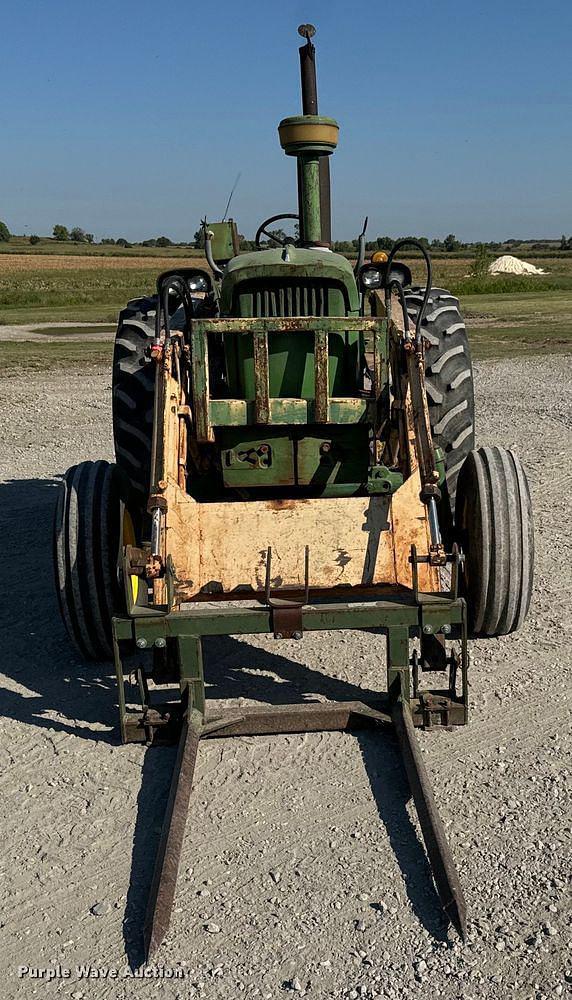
(49, 247)
(506, 315)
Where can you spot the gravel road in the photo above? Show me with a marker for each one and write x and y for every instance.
(302, 871)
(28, 332)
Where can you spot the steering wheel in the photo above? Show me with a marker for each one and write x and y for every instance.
(262, 230)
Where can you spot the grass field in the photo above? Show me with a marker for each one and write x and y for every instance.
(47, 247)
(505, 315)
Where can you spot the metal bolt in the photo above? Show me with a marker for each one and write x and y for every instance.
(160, 643)
(296, 635)
(428, 629)
(446, 629)
(141, 643)
(278, 635)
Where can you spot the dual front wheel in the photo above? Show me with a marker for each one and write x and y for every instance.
(91, 525)
(495, 529)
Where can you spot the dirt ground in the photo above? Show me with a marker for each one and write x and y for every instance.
(302, 870)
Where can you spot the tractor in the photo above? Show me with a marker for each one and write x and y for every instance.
(295, 450)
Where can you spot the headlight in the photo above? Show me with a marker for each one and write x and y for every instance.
(371, 277)
(198, 283)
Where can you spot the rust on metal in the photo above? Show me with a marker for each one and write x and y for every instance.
(377, 302)
(308, 717)
(183, 447)
(375, 534)
(420, 414)
(327, 716)
(286, 324)
(286, 619)
(154, 567)
(164, 882)
(262, 392)
(200, 383)
(438, 850)
(321, 377)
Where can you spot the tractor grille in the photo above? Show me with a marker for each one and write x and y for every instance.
(283, 299)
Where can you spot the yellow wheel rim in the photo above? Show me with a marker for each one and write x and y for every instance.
(129, 539)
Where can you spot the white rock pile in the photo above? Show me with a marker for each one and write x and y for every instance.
(512, 265)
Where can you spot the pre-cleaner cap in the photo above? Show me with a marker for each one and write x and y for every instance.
(308, 134)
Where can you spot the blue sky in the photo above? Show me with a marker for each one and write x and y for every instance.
(132, 117)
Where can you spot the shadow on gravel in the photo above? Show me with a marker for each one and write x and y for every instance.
(384, 768)
(37, 654)
(235, 669)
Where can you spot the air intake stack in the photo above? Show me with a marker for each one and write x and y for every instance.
(311, 138)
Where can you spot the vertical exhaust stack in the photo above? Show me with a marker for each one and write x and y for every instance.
(311, 138)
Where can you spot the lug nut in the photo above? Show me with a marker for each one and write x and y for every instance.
(428, 629)
(141, 643)
(160, 643)
(446, 629)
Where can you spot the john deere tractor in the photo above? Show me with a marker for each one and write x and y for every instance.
(295, 450)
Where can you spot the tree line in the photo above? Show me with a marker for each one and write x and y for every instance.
(450, 244)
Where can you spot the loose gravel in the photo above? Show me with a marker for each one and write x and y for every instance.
(303, 871)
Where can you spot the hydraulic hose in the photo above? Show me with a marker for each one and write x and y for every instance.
(420, 315)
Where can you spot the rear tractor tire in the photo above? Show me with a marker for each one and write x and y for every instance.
(495, 528)
(133, 394)
(449, 383)
(90, 525)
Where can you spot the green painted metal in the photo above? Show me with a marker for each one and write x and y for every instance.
(321, 407)
(330, 462)
(383, 480)
(256, 461)
(241, 412)
(334, 462)
(296, 264)
(224, 241)
(397, 610)
(311, 221)
(200, 382)
(399, 615)
(191, 675)
(440, 464)
(398, 667)
(309, 137)
(293, 281)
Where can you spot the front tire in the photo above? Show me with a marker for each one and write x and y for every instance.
(87, 544)
(494, 521)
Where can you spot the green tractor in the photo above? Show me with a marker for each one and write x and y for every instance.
(295, 451)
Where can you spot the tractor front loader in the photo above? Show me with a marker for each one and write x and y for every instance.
(294, 440)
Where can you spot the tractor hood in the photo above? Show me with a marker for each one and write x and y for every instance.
(288, 264)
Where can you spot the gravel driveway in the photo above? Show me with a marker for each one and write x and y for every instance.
(302, 870)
